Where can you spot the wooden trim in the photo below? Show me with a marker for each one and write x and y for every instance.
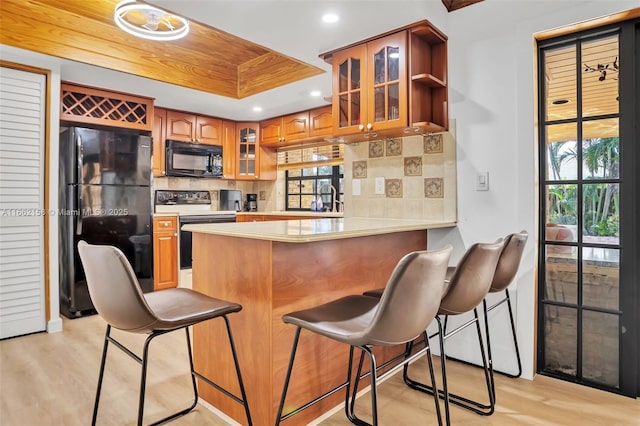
(47, 156)
(587, 25)
(145, 123)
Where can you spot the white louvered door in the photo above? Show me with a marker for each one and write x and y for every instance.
(22, 142)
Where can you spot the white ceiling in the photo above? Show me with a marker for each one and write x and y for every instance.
(291, 27)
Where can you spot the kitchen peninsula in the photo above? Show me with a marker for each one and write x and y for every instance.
(276, 267)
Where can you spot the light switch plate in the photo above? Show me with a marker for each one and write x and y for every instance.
(379, 185)
(482, 181)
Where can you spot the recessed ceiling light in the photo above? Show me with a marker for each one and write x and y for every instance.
(330, 18)
(257, 109)
(315, 93)
(560, 101)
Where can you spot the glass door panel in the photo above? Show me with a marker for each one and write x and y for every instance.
(347, 100)
(584, 202)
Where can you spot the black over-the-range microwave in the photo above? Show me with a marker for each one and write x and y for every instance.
(193, 160)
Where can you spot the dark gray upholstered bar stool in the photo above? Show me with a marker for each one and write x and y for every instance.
(415, 286)
(467, 287)
(118, 298)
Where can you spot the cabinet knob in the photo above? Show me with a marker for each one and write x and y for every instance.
(164, 172)
(369, 126)
(165, 224)
(175, 234)
(361, 127)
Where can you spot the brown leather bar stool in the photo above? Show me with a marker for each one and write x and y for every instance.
(467, 287)
(118, 298)
(416, 286)
(506, 270)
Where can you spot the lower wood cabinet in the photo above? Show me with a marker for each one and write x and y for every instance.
(165, 252)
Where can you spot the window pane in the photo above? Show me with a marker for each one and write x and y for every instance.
(325, 170)
(293, 202)
(306, 201)
(600, 348)
(601, 155)
(355, 74)
(355, 108)
(393, 101)
(378, 67)
(343, 76)
(600, 77)
(561, 274)
(307, 186)
(560, 83)
(560, 342)
(601, 277)
(252, 167)
(561, 209)
(344, 110)
(562, 151)
(393, 65)
(293, 187)
(294, 172)
(379, 103)
(309, 171)
(601, 219)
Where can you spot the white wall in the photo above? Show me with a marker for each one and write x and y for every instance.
(8, 53)
(491, 91)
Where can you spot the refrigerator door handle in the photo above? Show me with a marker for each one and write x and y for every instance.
(78, 195)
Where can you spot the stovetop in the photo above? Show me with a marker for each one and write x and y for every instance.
(186, 203)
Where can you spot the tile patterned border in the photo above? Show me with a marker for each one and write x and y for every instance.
(433, 144)
(376, 149)
(359, 169)
(434, 188)
(393, 188)
(394, 146)
(413, 166)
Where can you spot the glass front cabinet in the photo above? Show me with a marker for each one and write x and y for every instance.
(396, 82)
(247, 160)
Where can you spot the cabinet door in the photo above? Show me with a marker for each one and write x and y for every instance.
(165, 252)
(320, 121)
(247, 157)
(208, 130)
(181, 126)
(296, 126)
(229, 149)
(271, 131)
(159, 134)
(349, 103)
(387, 102)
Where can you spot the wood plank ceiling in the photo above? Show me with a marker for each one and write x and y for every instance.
(207, 59)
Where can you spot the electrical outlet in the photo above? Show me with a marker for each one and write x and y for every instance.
(379, 185)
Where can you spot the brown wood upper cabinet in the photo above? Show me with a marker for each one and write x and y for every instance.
(159, 135)
(188, 127)
(298, 127)
(391, 85)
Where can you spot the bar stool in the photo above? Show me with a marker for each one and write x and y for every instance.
(415, 286)
(468, 285)
(118, 298)
(506, 270)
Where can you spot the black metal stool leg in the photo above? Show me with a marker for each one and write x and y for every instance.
(351, 414)
(143, 377)
(279, 417)
(443, 368)
(101, 375)
(433, 378)
(515, 338)
(237, 365)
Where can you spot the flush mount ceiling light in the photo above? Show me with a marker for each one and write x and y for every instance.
(330, 18)
(149, 22)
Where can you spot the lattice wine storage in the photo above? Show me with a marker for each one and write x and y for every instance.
(81, 104)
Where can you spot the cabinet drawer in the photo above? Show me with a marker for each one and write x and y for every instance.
(161, 224)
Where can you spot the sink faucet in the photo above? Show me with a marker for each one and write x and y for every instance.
(334, 196)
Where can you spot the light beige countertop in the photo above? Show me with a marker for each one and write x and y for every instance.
(293, 213)
(310, 230)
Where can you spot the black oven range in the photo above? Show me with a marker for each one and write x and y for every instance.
(191, 207)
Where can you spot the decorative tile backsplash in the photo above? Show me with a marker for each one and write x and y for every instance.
(419, 174)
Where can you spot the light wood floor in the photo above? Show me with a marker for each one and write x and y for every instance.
(50, 379)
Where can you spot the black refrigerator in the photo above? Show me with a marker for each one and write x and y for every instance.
(105, 198)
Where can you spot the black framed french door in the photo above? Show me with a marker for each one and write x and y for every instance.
(589, 286)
